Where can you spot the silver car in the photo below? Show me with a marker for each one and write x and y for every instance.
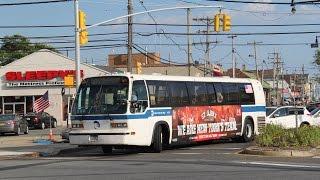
(12, 123)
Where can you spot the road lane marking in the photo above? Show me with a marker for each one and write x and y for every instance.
(188, 153)
(204, 148)
(277, 164)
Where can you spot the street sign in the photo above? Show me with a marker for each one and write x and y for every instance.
(69, 81)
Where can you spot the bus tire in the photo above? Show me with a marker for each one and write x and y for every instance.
(107, 149)
(157, 140)
(248, 131)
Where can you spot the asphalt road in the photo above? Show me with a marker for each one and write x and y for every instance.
(211, 161)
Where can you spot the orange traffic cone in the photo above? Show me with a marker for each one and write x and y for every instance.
(51, 138)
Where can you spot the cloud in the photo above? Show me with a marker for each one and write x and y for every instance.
(260, 7)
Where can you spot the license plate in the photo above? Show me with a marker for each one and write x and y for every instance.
(28, 119)
(93, 138)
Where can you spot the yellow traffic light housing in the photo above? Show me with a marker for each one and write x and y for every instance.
(139, 67)
(83, 34)
(226, 22)
(217, 23)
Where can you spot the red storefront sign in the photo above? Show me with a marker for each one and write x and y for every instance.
(39, 75)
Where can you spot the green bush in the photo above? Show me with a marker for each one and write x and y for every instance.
(276, 136)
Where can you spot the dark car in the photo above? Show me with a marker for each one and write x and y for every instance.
(40, 120)
(12, 123)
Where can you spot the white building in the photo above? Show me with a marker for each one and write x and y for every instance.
(28, 78)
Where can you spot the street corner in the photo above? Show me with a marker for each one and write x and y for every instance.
(7, 155)
(278, 152)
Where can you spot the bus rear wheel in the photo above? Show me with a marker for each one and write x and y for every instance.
(157, 144)
(248, 131)
(107, 149)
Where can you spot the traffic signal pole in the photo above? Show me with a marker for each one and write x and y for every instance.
(77, 43)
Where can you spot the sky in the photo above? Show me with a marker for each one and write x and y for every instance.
(294, 54)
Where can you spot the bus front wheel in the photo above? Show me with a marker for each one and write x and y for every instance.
(107, 149)
(157, 140)
(248, 131)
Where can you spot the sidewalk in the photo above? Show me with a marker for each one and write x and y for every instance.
(23, 146)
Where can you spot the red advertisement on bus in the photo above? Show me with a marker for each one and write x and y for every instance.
(201, 123)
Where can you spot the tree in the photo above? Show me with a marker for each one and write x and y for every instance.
(17, 46)
(317, 57)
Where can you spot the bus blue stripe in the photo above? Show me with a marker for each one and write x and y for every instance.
(253, 108)
(148, 113)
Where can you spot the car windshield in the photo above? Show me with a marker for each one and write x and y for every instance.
(6, 117)
(313, 112)
(270, 110)
(102, 95)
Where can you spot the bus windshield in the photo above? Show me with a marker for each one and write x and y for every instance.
(102, 95)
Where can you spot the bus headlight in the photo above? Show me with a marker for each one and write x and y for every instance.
(118, 125)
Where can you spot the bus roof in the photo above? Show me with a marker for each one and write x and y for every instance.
(185, 78)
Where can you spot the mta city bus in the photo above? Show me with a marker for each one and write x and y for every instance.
(157, 111)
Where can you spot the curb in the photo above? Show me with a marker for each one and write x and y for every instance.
(279, 152)
(19, 155)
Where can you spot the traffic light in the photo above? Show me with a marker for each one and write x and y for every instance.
(217, 23)
(139, 68)
(83, 35)
(226, 22)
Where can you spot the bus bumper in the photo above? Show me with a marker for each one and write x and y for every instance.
(125, 138)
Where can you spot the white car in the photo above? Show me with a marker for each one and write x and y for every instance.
(285, 116)
(315, 115)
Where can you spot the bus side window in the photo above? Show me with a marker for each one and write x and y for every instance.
(246, 94)
(179, 94)
(212, 99)
(219, 92)
(139, 98)
(158, 93)
(197, 93)
(231, 93)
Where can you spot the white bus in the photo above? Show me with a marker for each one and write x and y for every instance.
(156, 110)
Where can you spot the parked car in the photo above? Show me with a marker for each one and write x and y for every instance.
(285, 116)
(13, 123)
(315, 115)
(312, 106)
(40, 120)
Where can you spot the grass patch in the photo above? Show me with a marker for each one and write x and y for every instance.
(276, 136)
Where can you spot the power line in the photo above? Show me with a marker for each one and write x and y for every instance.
(140, 49)
(266, 3)
(33, 3)
(155, 24)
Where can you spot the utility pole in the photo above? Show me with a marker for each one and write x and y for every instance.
(207, 59)
(233, 59)
(303, 83)
(77, 42)
(207, 20)
(189, 40)
(130, 11)
(276, 69)
(254, 43)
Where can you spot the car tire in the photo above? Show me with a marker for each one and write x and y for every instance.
(107, 149)
(248, 131)
(18, 131)
(157, 144)
(27, 130)
(43, 126)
